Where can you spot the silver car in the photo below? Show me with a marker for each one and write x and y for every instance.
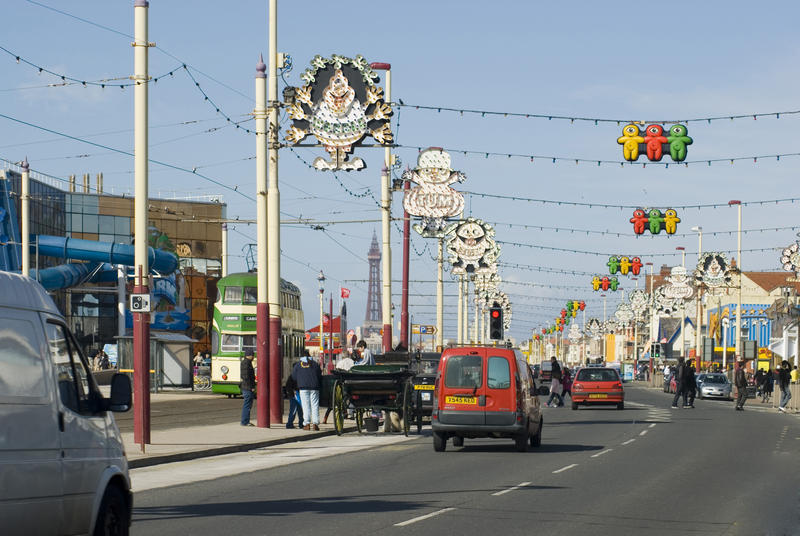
(713, 385)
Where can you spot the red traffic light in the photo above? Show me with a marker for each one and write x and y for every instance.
(495, 313)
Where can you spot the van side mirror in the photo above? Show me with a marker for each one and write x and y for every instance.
(121, 398)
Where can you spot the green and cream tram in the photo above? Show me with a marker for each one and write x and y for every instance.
(234, 329)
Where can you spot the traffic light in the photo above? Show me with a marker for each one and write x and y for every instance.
(655, 350)
(496, 323)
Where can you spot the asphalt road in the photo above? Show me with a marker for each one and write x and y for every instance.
(205, 408)
(645, 470)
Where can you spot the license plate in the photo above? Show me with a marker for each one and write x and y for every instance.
(460, 400)
(598, 395)
(426, 397)
(421, 387)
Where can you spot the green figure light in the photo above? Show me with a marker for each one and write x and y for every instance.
(613, 264)
(656, 219)
(614, 283)
(678, 140)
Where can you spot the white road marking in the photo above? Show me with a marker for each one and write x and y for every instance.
(503, 492)
(628, 441)
(565, 468)
(421, 518)
(652, 425)
(643, 432)
(601, 453)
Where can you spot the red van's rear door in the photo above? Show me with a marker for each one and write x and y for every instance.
(463, 388)
(501, 391)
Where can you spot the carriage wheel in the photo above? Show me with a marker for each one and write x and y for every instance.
(406, 408)
(419, 411)
(339, 407)
(359, 416)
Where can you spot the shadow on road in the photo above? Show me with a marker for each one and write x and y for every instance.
(509, 446)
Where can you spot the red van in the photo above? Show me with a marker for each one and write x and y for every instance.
(485, 392)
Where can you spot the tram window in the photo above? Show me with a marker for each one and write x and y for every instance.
(250, 295)
(230, 343)
(232, 295)
(249, 344)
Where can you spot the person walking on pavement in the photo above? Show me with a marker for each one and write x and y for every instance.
(680, 384)
(555, 384)
(740, 380)
(308, 376)
(295, 408)
(759, 379)
(768, 387)
(784, 378)
(247, 385)
(690, 386)
(366, 354)
(566, 384)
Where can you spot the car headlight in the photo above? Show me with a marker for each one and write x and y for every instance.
(224, 369)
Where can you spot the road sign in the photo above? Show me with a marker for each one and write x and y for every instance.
(140, 303)
(419, 329)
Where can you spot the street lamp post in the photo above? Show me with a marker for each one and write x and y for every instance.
(698, 340)
(321, 279)
(738, 333)
(682, 352)
(605, 335)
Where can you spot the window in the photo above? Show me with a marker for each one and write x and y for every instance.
(597, 375)
(230, 343)
(232, 295)
(250, 295)
(21, 366)
(464, 371)
(75, 385)
(249, 344)
(498, 375)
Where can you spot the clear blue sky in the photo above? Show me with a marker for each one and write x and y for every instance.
(647, 61)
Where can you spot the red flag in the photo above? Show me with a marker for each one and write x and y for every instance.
(345, 292)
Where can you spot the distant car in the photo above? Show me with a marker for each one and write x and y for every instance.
(714, 385)
(424, 366)
(597, 386)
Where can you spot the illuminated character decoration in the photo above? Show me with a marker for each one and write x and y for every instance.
(563, 313)
(624, 265)
(630, 141)
(671, 221)
(613, 283)
(613, 264)
(656, 219)
(636, 265)
(433, 199)
(343, 113)
(472, 247)
(595, 283)
(654, 137)
(605, 282)
(678, 140)
(544, 331)
(582, 305)
(639, 220)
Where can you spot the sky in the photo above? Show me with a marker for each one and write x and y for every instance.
(666, 62)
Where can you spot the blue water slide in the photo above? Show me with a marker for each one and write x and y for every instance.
(93, 251)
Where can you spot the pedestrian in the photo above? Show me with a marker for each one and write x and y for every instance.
(784, 378)
(295, 407)
(247, 384)
(680, 373)
(740, 380)
(198, 359)
(96, 360)
(566, 384)
(759, 378)
(795, 374)
(365, 354)
(690, 386)
(768, 387)
(555, 384)
(104, 364)
(308, 376)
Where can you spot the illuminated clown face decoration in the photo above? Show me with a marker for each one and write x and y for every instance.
(472, 247)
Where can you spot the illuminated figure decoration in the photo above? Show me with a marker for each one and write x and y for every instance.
(596, 283)
(790, 259)
(624, 314)
(575, 334)
(663, 304)
(613, 264)
(581, 305)
(613, 283)
(624, 265)
(630, 141)
(604, 283)
(433, 199)
(678, 287)
(471, 247)
(713, 271)
(636, 265)
(563, 313)
(678, 140)
(654, 139)
(654, 143)
(655, 218)
(671, 221)
(593, 327)
(639, 300)
(339, 105)
(639, 221)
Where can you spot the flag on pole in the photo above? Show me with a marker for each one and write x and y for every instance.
(345, 292)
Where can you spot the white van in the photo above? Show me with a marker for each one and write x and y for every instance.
(62, 462)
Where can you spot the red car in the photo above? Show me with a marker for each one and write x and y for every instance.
(597, 386)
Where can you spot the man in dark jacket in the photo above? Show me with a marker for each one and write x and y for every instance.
(680, 384)
(740, 380)
(689, 386)
(308, 376)
(293, 394)
(784, 378)
(247, 385)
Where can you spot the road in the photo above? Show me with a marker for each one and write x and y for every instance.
(645, 470)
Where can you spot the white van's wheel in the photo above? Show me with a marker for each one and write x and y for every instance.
(113, 517)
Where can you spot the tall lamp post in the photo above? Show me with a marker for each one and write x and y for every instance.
(698, 349)
(682, 353)
(321, 279)
(738, 332)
